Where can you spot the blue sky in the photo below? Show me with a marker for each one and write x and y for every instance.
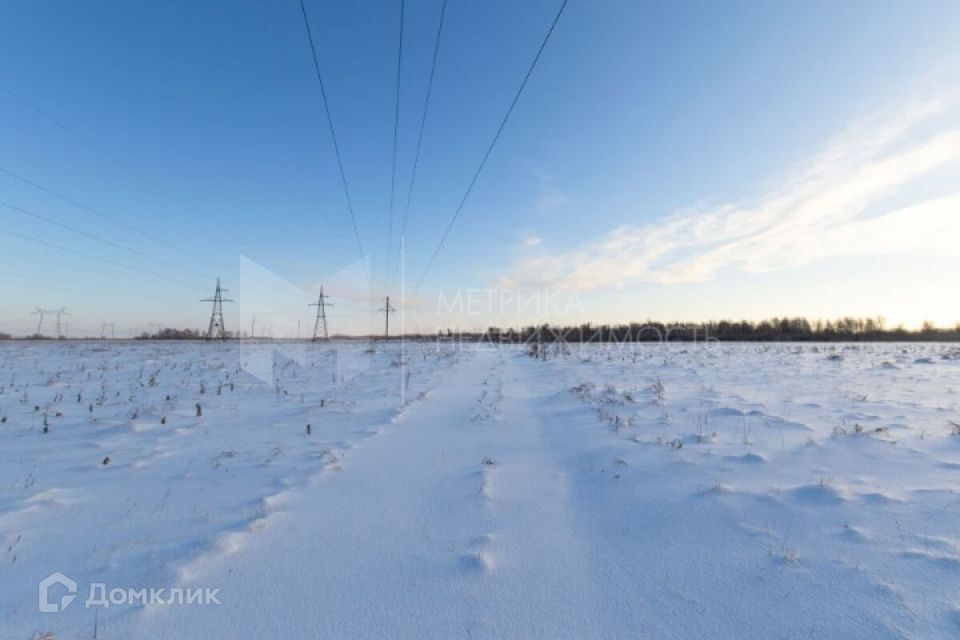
(671, 161)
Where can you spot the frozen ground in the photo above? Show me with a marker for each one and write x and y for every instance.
(689, 491)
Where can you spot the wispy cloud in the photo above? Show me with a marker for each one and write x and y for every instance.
(532, 240)
(549, 196)
(826, 206)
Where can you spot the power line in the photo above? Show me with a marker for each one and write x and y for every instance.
(333, 133)
(81, 285)
(423, 120)
(93, 236)
(53, 245)
(96, 272)
(393, 163)
(81, 138)
(109, 218)
(493, 142)
(100, 214)
(33, 285)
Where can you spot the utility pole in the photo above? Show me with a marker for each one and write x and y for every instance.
(62, 311)
(253, 326)
(387, 310)
(216, 328)
(39, 312)
(321, 304)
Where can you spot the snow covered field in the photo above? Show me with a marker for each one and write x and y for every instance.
(682, 491)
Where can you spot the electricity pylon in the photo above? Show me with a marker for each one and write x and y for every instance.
(321, 304)
(39, 312)
(387, 310)
(103, 330)
(62, 311)
(216, 328)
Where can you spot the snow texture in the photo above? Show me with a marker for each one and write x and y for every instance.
(443, 491)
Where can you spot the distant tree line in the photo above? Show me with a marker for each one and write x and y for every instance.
(173, 334)
(772, 330)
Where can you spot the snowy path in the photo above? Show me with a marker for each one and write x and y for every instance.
(416, 535)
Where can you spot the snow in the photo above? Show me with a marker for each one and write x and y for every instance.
(445, 491)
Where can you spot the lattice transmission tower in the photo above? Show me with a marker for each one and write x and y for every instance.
(387, 310)
(216, 330)
(39, 312)
(321, 322)
(43, 313)
(62, 311)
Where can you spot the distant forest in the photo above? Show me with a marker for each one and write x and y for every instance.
(773, 330)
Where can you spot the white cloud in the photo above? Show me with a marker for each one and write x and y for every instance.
(549, 196)
(825, 207)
